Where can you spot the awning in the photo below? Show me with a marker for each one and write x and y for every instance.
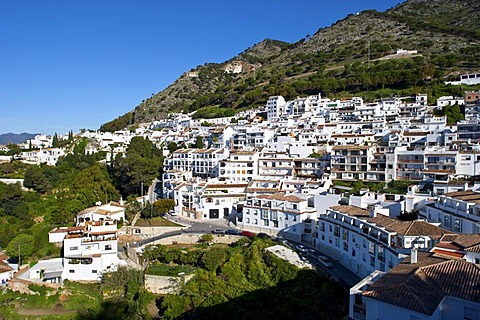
(52, 275)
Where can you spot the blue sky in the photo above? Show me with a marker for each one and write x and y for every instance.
(72, 64)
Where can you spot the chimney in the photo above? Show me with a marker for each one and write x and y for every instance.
(373, 212)
(413, 255)
(121, 201)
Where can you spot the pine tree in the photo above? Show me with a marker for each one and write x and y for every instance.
(55, 141)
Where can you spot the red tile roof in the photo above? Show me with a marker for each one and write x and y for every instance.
(422, 286)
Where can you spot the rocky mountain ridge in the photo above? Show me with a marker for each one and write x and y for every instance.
(443, 32)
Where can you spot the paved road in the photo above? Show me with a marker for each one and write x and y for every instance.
(337, 271)
(195, 226)
(152, 196)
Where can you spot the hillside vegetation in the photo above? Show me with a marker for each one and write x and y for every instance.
(341, 60)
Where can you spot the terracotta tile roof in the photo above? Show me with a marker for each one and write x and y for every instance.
(4, 267)
(467, 242)
(405, 228)
(468, 196)
(409, 228)
(474, 249)
(67, 229)
(449, 246)
(352, 210)
(458, 255)
(281, 197)
(422, 286)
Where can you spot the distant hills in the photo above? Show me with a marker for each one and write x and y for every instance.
(354, 56)
(16, 138)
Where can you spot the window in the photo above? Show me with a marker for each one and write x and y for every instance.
(344, 235)
(265, 222)
(275, 224)
(73, 248)
(264, 214)
(457, 226)
(381, 254)
(446, 221)
(71, 271)
(108, 247)
(345, 246)
(337, 242)
(295, 206)
(336, 233)
(372, 261)
(274, 215)
(371, 248)
(94, 271)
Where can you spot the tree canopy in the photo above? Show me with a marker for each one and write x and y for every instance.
(142, 163)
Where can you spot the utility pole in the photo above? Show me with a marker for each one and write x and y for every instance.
(19, 258)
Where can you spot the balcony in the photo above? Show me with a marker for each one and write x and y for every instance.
(410, 160)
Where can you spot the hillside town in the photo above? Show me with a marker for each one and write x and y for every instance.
(320, 173)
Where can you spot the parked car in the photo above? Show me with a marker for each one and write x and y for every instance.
(301, 248)
(218, 231)
(263, 235)
(312, 253)
(247, 233)
(232, 232)
(172, 213)
(324, 261)
(277, 239)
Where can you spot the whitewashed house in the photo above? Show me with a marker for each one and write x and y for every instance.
(365, 240)
(458, 211)
(426, 286)
(279, 213)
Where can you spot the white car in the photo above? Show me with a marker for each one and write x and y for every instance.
(324, 261)
(301, 248)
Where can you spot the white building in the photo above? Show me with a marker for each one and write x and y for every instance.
(90, 252)
(48, 156)
(425, 287)
(458, 212)
(90, 248)
(6, 272)
(241, 166)
(112, 211)
(276, 107)
(287, 214)
(364, 240)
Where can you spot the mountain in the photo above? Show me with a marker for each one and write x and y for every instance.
(16, 138)
(355, 55)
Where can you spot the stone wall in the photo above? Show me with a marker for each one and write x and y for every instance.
(194, 238)
(164, 285)
(20, 285)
